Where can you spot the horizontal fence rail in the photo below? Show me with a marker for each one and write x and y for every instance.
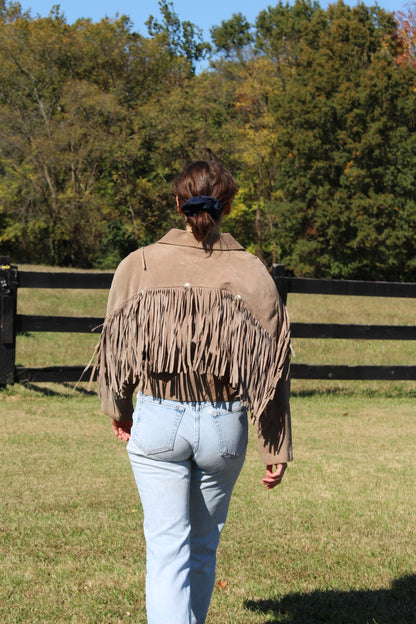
(61, 374)
(75, 324)
(53, 374)
(377, 373)
(349, 287)
(89, 281)
(285, 285)
(358, 332)
(83, 324)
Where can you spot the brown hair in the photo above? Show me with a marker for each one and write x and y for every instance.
(205, 177)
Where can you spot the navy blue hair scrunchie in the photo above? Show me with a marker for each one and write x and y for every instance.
(202, 202)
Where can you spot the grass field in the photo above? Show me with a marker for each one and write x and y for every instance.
(335, 543)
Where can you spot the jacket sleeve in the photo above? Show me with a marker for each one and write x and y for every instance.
(274, 434)
(120, 408)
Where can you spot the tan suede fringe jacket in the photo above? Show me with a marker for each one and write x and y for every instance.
(191, 324)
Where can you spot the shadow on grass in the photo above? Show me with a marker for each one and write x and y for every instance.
(62, 389)
(396, 605)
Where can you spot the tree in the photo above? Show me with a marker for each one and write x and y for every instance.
(181, 39)
(345, 203)
(313, 110)
(406, 21)
(232, 36)
(75, 174)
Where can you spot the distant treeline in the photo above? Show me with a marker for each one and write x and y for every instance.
(313, 110)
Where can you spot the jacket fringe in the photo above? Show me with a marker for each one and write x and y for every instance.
(203, 330)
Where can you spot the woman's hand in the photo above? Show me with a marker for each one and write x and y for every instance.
(122, 429)
(274, 478)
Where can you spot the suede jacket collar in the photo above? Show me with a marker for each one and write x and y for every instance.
(183, 238)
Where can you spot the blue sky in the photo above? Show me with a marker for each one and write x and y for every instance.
(205, 14)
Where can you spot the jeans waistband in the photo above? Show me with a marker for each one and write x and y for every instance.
(230, 406)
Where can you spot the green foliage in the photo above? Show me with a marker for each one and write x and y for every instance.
(116, 242)
(182, 39)
(232, 35)
(345, 130)
(312, 109)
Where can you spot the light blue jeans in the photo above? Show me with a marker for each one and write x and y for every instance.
(186, 458)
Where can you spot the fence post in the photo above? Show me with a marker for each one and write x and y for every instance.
(8, 298)
(278, 272)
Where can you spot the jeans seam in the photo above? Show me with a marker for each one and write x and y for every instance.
(220, 436)
(197, 429)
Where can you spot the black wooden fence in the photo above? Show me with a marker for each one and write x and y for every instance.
(12, 323)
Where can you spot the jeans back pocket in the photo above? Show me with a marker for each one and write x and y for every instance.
(232, 431)
(155, 426)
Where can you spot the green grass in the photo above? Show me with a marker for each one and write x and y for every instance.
(335, 543)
